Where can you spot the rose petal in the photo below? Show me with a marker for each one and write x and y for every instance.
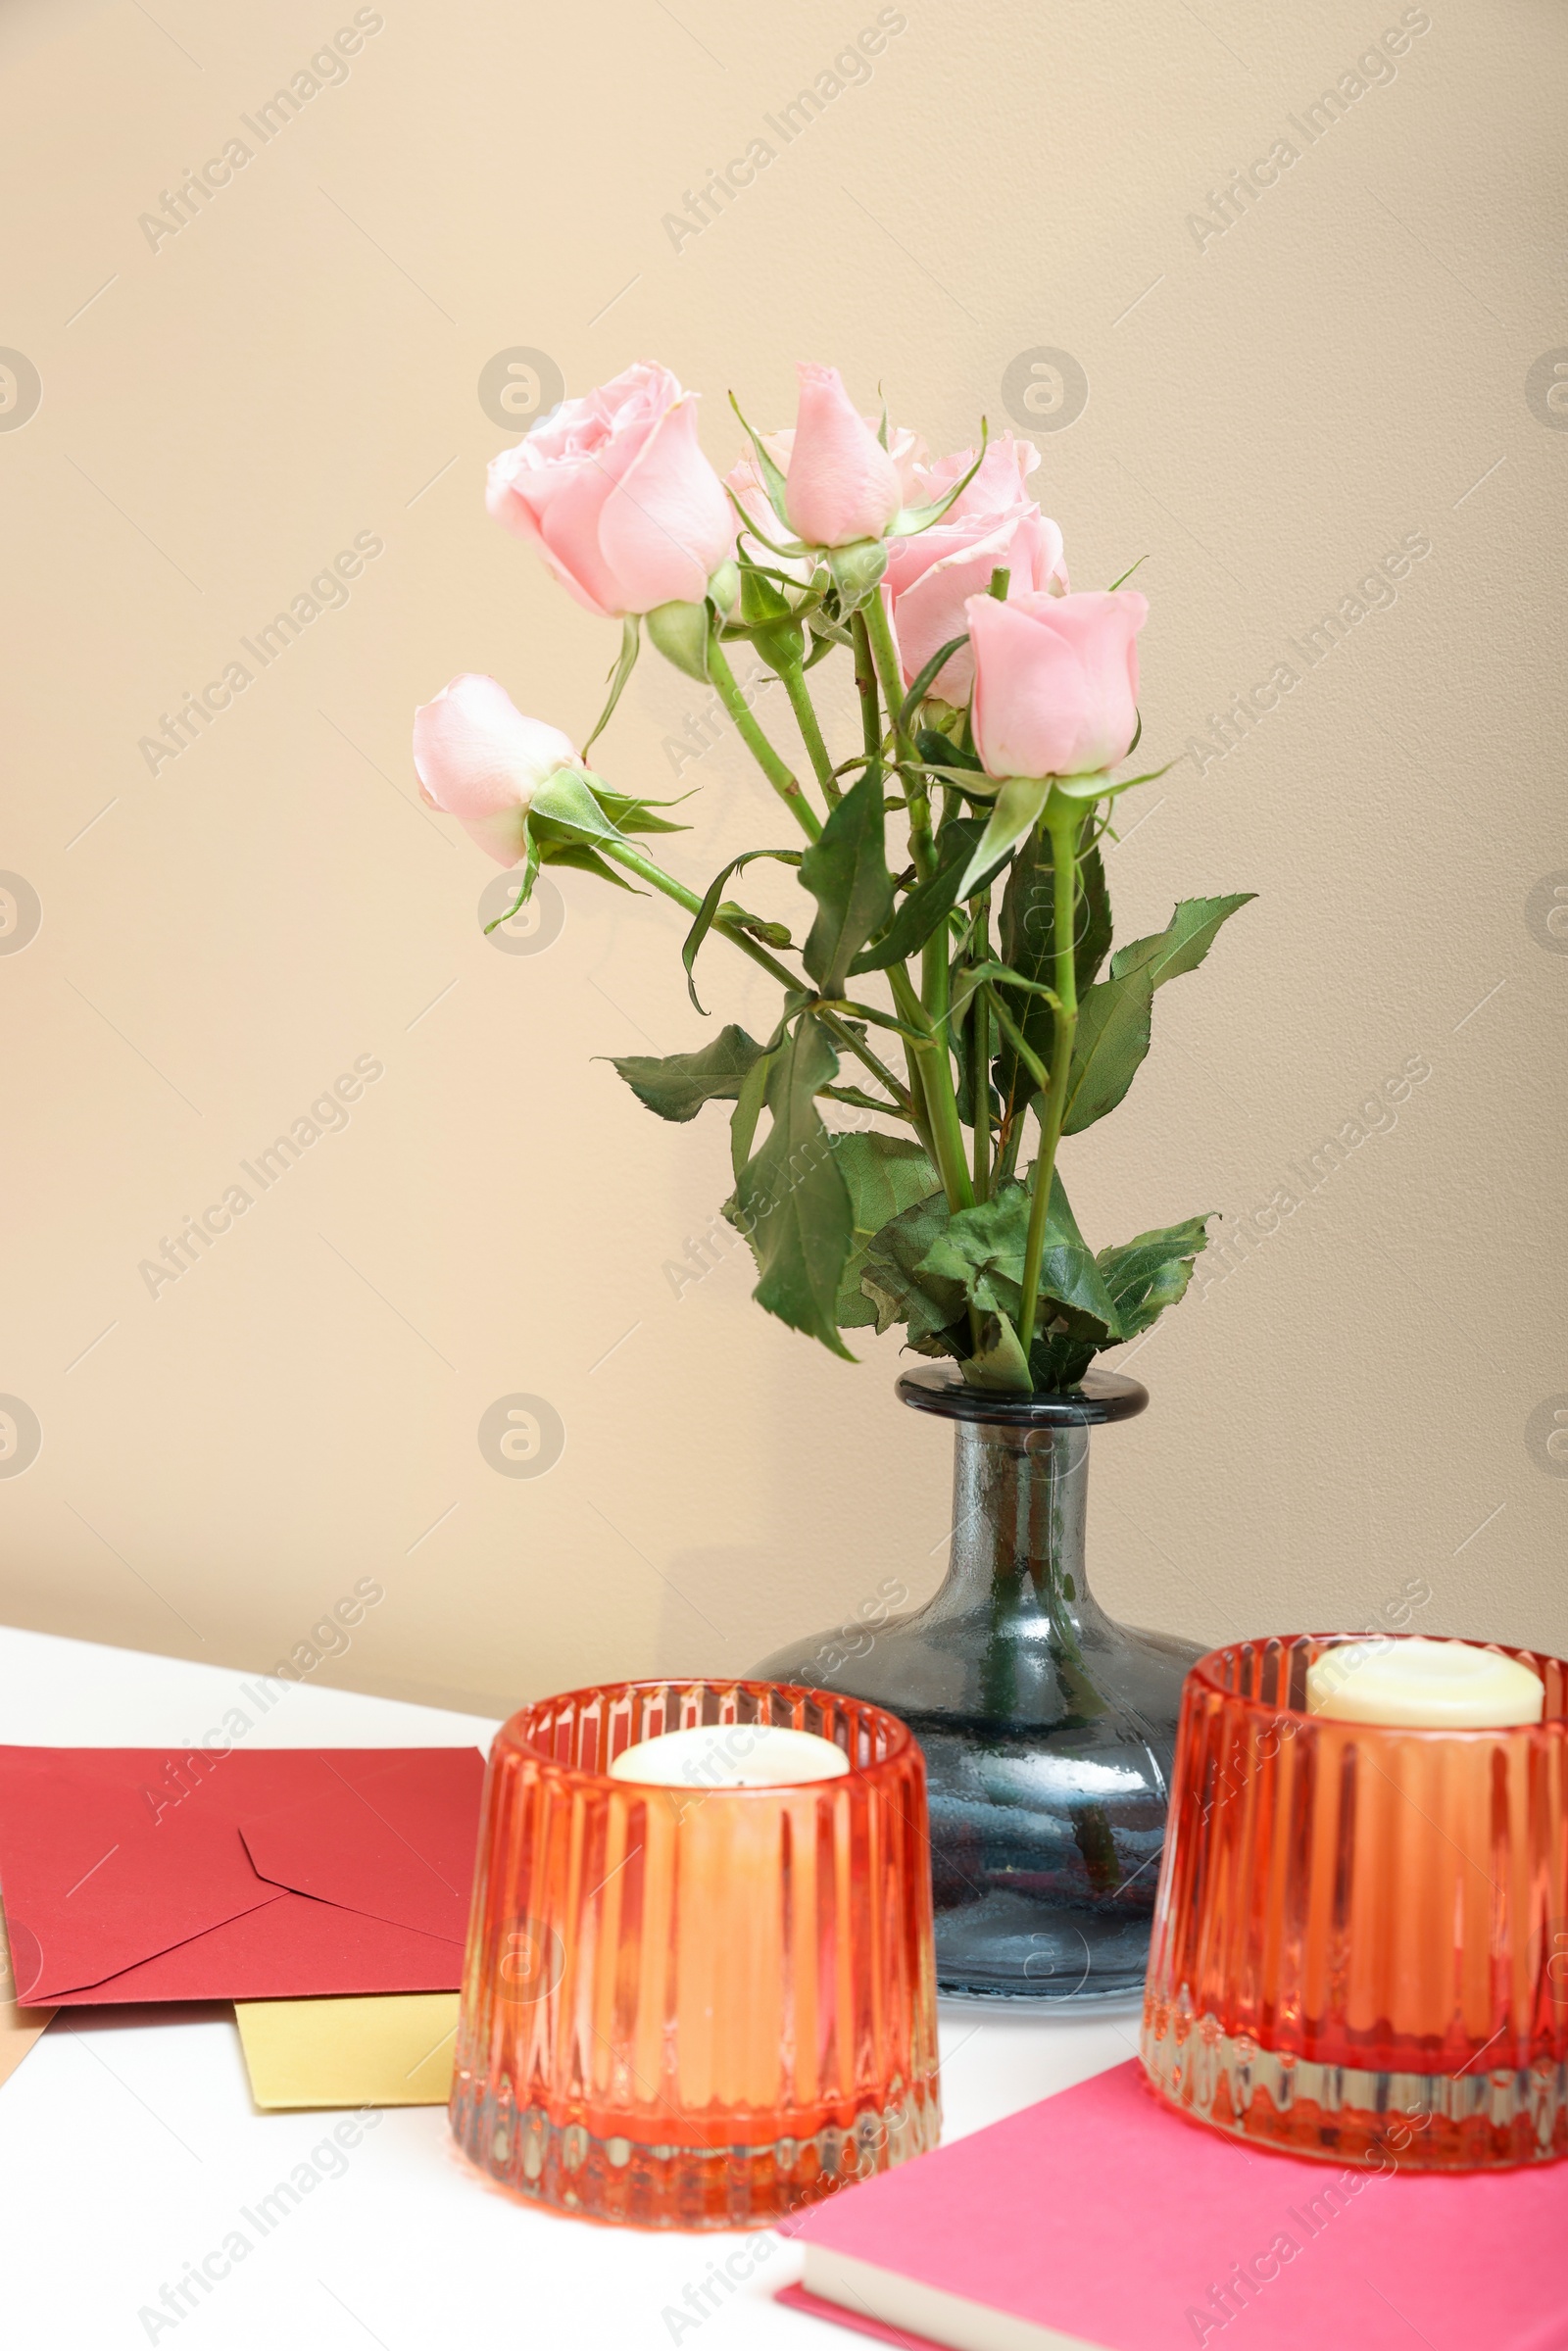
(842, 484)
(668, 525)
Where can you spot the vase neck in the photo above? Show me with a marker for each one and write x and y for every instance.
(1020, 1507)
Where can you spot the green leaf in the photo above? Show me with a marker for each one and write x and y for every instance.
(884, 1174)
(982, 1249)
(1061, 1353)
(1112, 1042)
(1147, 1275)
(926, 1304)
(1028, 929)
(931, 901)
(712, 908)
(1028, 923)
(998, 1362)
(1013, 817)
(1114, 1019)
(677, 1086)
(847, 873)
(1184, 942)
(748, 1109)
(792, 1201)
(619, 672)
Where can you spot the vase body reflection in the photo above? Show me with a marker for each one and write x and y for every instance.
(1047, 1728)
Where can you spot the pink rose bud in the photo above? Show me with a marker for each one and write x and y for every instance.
(842, 484)
(479, 758)
(1055, 681)
(618, 497)
(931, 575)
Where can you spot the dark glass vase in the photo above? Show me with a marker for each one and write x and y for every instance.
(1048, 1729)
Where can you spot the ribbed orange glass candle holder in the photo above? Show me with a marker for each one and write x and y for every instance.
(1360, 1946)
(690, 2007)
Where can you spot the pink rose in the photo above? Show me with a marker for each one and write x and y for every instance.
(618, 497)
(905, 448)
(479, 759)
(842, 484)
(1055, 684)
(931, 575)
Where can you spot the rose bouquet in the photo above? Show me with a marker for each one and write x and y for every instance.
(953, 981)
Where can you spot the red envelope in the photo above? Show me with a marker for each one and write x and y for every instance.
(143, 1874)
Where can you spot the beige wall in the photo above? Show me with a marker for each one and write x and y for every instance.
(1270, 411)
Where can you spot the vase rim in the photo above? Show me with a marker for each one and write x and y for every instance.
(1206, 1679)
(1099, 1397)
(525, 1732)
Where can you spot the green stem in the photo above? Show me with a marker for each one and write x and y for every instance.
(933, 1102)
(934, 1072)
(885, 652)
(758, 744)
(865, 686)
(861, 1100)
(862, 1012)
(871, 743)
(928, 1063)
(879, 629)
(873, 1063)
(800, 694)
(624, 854)
(1063, 821)
(980, 1065)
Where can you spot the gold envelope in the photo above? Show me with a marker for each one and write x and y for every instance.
(20, 2028)
(393, 2049)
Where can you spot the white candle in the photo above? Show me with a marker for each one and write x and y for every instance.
(731, 1755)
(1430, 1684)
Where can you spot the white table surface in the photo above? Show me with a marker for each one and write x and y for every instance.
(128, 2143)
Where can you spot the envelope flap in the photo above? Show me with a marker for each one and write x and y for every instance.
(392, 1836)
(101, 1871)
